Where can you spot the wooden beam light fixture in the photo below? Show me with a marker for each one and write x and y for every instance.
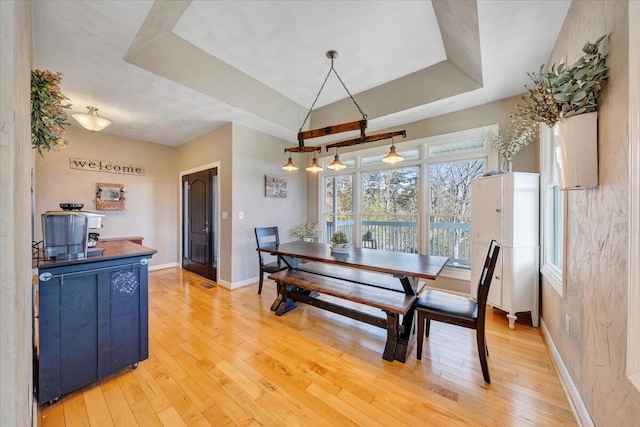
(360, 125)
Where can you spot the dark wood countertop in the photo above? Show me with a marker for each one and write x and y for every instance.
(112, 250)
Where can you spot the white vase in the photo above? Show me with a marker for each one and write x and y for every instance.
(575, 141)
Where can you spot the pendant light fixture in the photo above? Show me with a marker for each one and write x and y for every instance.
(92, 120)
(392, 157)
(314, 166)
(290, 166)
(360, 125)
(336, 165)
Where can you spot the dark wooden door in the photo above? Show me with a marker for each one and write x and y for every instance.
(198, 247)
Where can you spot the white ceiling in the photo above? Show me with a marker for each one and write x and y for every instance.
(261, 63)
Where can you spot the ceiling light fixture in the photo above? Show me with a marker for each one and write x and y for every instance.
(360, 125)
(92, 120)
(336, 165)
(392, 157)
(314, 166)
(290, 166)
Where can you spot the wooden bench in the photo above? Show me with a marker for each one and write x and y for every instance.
(371, 289)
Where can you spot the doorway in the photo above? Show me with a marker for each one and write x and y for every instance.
(199, 223)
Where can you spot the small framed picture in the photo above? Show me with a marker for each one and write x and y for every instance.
(109, 197)
(275, 186)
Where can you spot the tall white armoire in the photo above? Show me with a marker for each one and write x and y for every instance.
(506, 208)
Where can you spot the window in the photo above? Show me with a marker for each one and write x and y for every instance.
(553, 214)
(339, 204)
(422, 205)
(389, 219)
(450, 209)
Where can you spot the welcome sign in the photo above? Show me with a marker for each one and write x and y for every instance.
(105, 166)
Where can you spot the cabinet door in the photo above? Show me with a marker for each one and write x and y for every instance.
(479, 253)
(486, 209)
(127, 287)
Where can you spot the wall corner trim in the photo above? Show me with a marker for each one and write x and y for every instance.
(578, 407)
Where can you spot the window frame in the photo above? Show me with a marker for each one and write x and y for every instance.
(548, 180)
(422, 162)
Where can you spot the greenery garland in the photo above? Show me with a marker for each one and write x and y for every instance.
(47, 111)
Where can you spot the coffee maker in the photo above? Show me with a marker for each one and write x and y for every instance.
(66, 233)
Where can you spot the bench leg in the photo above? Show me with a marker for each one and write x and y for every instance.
(286, 304)
(278, 299)
(393, 332)
(405, 339)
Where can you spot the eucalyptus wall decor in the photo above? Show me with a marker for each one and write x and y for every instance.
(565, 98)
(47, 111)
(566, 91)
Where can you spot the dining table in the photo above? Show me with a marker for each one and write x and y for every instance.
(392, 272)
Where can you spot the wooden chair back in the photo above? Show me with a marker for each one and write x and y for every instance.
(485, 279)
(266, 236)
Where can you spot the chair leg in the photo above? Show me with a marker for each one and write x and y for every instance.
(260, 282)
(427, 327)
(482, 353)
(421, 320)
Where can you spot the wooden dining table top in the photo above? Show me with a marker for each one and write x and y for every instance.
(396, 263)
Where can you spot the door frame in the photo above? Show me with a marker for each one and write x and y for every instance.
(216, 243)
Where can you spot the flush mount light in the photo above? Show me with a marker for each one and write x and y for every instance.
(92, 120)
(360, 125)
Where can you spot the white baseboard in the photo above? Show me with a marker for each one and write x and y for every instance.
(575, 400)
(162, 266)
(241, 284)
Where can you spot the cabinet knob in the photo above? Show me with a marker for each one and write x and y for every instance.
(497, 277)
(44, 277)
(144, 261)
(498, 210)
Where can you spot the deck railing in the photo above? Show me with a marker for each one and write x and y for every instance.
(451, 239)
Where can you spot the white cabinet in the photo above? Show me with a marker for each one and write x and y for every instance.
(506, 208)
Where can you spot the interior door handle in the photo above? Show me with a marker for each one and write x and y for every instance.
(498, 210)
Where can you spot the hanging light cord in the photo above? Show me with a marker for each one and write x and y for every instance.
(331, 55)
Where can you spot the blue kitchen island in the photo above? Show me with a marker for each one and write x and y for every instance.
(91, 317)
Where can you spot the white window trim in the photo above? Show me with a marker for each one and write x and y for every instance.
(633, 310)
(553, 275)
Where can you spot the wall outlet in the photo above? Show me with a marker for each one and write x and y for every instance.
(567, 324)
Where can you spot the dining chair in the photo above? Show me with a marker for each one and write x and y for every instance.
(457, 310)
(267, 236)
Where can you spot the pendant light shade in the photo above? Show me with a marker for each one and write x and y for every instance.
(92, 120)
(314, 166)
(392, 157)
(336, 165)
(290, 166)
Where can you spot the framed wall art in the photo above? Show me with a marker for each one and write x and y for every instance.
(109, 197)
(275, 186)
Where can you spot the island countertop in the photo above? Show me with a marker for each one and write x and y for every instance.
(112, 250)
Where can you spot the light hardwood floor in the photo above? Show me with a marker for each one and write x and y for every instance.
(223, 358)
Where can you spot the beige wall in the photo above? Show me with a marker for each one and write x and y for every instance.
(151, 204)
(597, 231)
(16, 166)
(214, 147)
(245, 157)
(255, 155)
